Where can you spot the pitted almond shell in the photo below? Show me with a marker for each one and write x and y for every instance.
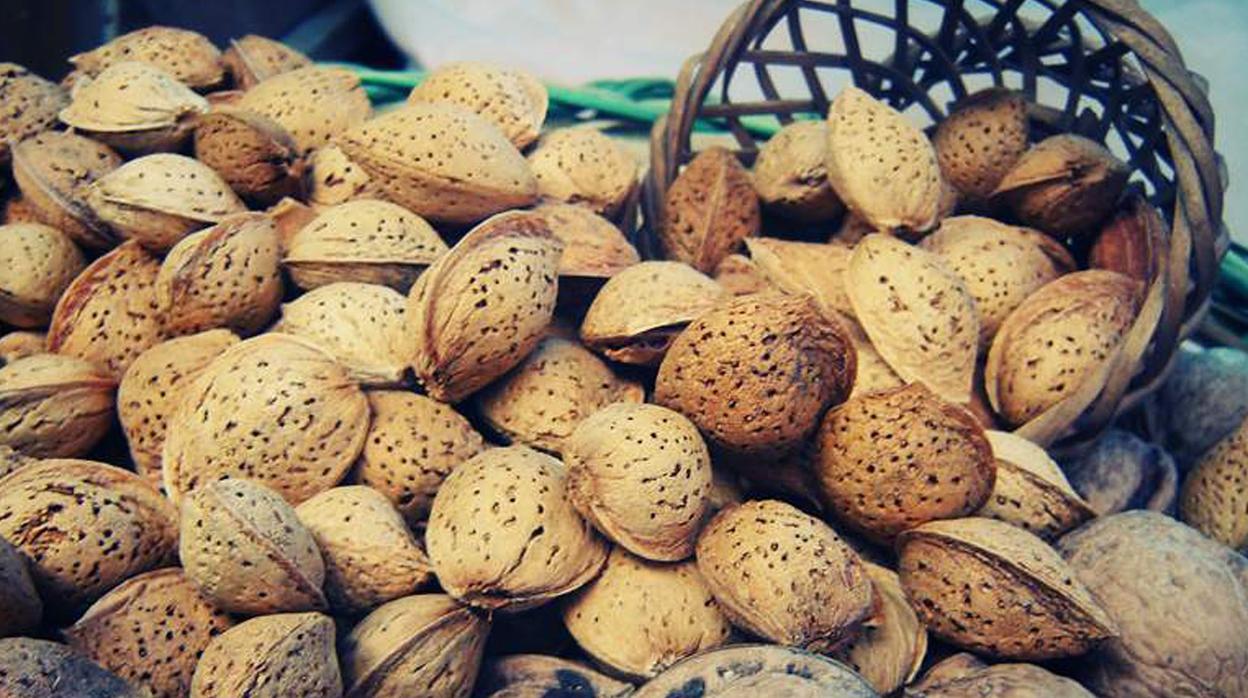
(134, 107)
(502, 534)
(20, 344)
(1215, 493)
(542, 400)
(44, 669)
(756, 373)
(23, 607)
(641, 474)
(791, 174)
(251, 152)
(187, 56)
(1056, 339)
(640, 310)
(995, 589)
(159, 199)
(1003, 681)
(1031, 491)
(365, 240)
(1064, 185)
(891, 460)
(874, 373)
(39, 262)
(917, 312)
(54, 406)
(53, 169)
(709, 210)
(740, 275)
(513, 100)
(154, 385)
(226, 276)
(33, 105)
(84, 527)
(484, 305)
(272, 656)
(425, 644)
(370, 555)
(253, 59)
(126, 631)
(537, 675)
(640, 617)
(582, 165)
(980, 141)
(882, 166)
(815, 269)
(109, 314)
(334, 178)
(784, 576)
(592, 245)
(245, 549)
(360, 325)
(758, 670)
(313, 104)
(888, 652)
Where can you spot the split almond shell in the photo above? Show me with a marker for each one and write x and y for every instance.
(252, 59)
(252, 153)
(889, 651)
(1031, 490)
(134, 107)
(54, 170)
(709, 210)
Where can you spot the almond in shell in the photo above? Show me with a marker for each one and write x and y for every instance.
(1031, 490)
(874, 373)
(252, 59)
(513, 100)
(816, 269)
(758, 670)
(187, 56)
(273, 656)
(134, 107)
(1004, 681)
(18, 597)
(1130, 243)
(313, 104)
(254, 155)
(20, 344)
(890, 650)
(54, 406)
(1121, 471)
(593, 247)
(54, 170)
(1214, 500)
(740, 275)
(709, 210)
(32, 668)
(537, 675)
(334, 178)
(32, 104)
(791, 174)
(39, 262)
(1064, 185)
(980, 141)
(12, 460)
(360, 325)
(582, 165)
(17, 210)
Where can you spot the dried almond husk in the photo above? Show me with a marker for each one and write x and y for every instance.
(995, 589)
(39, 262)
(791, 174)
(273, 656)
(54, 406)
(32, 105)
(334, 178)
(890, 650)
(641, 310)
(1031, 490)
(313, 104)
(1215, 493)
(364, 240)
(917, 312)
(32, 668)
(134, 107)
(593, 247)
(1064, 185)
(251, 153)
(252, 59)
(785, 576)
(54, 169)
(187, 56)
(502, 534)
(360, 325)
(815, 269)
(979, 142)
(740, 276)
(20, 344)
(741, 671)
(709, 210)
(513, 100)
(22, 606)
(1004, 681)
(484, 305)
(538, 676)
(582, 165)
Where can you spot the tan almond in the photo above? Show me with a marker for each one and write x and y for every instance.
(334, 178)
(740, 276)
(582, 165)
(709, 210)
(20, 344)
(874, 373)
(758, 670)
(252, 59)
(188, 57)
(1064, 185)
(44, 669)
(791, 174)
(272, 656)
(54, 406)
(360, 325)
(889, 651)
(12, 460)
(134, 107)
(1005, 681)
(54, 170)
(1031, 490)
(1215, 493)
(816, 269)
(252, 153)
(537, 675)
(513, 100)
(22, 606)
(593, 247)
(33, 105)
(40, 262)
(979, 142)
(313, 104)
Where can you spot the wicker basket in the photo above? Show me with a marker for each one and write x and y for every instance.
(1104, 69)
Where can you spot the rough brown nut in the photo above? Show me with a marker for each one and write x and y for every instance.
(709, 210)
(538, 676)
(889, 651)
(757, 372)
(483, 306)
(253, 59)
(134, 107)
(641, 310)
(980, 141)
(314, 104)
(741, 671)
(188, 57)
(998, 590)
(360, 325)
(335, 179)
(39, 263)
(1004, 681)
(1214, 500)
(1122, 471)
(791, 174)
(642, 476)
(17, 210)
(54, 406)
(54, 170)
(817, 269)
(784, 576)
(18, 597)
(42, 669)
(592, 246)
(417, 645)
(126, 631)
(740, 276)
(33, 104)
(20, 344)
(273, 409)
(413, 444)
(503, 535)
(273, 656)
(1206, 397)
(513, 100)
(582, 165)
(365, 240)
(1129, 243)
(1031, 490)
(251, 152)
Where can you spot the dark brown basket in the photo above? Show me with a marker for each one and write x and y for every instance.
(1104, 69)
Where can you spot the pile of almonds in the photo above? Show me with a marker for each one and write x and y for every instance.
(302, 400)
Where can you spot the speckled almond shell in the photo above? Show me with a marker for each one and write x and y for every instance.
(134, 107)
(917, 312)
(593, 246)
(54, 406)
(513, 100)
(159, 199)
(484, 305)
(757, 372)
(313, 104)
(741, 671)
(127, 631)
(1005, 681)
(888, 652)
(882, 166)
(245, 549)
(784, 576)
(537, 675)
(640, 617)
(740, 276)
(32, 104)
(641, 474)
(791, 174)
(251, 153)
(1031, 490)
(43, 669)
(226, 276)
(502, 534)
(995, 589)
(999, 264)
(640, 311)
(20, 344)
(1056, 339)
(709, 210)
(582, 165)
(39, 263)
(53, 169)
(154, 385)
(23, 608)
(84, 527)
(109, 314)
(978, 143)
(274, 409)
(364, 240)
(816, 269)
(273, 656)
(417, 645)
(333, 178)
(253, 59)
(1064, 185)
(360, 325)
(874, 373)
(188, 57)
(891, 460)
(370, 555)
(1214, 499)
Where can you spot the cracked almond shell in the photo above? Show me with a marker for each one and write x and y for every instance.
(709, 210)
(593, 247)
(134, 107)
(1214, 499)
(22, 606)
(252, 59)
(54, 406)
(39, 263)
(745, 670)
(978, 143)
(791, 174)
(1031, 490)
(360, 325)
(537, 676)
(32, 105)
(995, 589)
(54, 170)
(513, 100)
(784, 576)
(272, 656)
(582, 165)
(816, 269)
(890, 650)
(187, 56)
(32, 668)
(503, 535)
(313, 104)
(251, 153)
(1064, 185)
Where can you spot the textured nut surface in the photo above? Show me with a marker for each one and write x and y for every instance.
(53, 171)
(134, 107)
(741, 671)
(189, 57)
(21, 603)
(335, 179)
(273, 656)
(537, 675)
(54, 406)
(582, 165)
(42, 669)
(981, 140)
(503, 535)
(1214, 500)
(784, 576)
(889, 651)
(1031, 490)
(33, 101)
(874, 373)
(251, 153)
(791, 173)
(244, 547)
(709, 210)
(360, 325)
(20, 344)
(1005, 681)
(1207, 393)
(513, 100)
(995, 589)
(1129, 243)
(756, 373)
(313, 104)
(1064, 185)
(811, 268)
(273, 409)
(253, 59)
(592, 245)
(641, 474)
(740, 276)
(1121, 471)
(39, 262)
